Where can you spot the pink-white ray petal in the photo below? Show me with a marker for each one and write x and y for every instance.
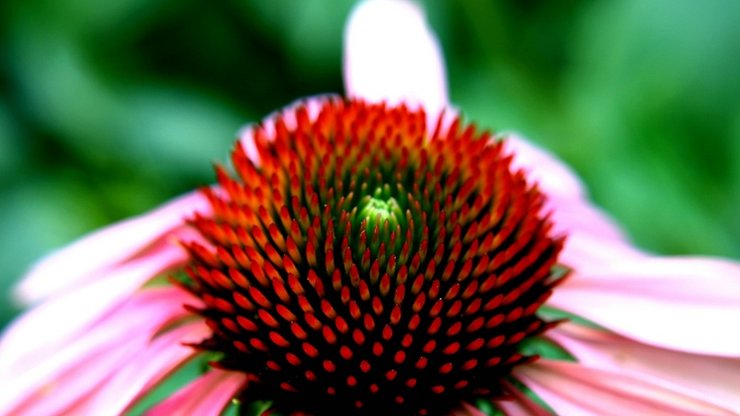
(593, 237)
(52, 323)
(126, 330)
(519, 404)
(566, 195)
(683, 303)
(715, 379)
(553, 176)
(61, 393)
(589, 253)
(100, 251)
(145, 370)
(576, 390)
(580, 216)
(391, 55)
(208, 395)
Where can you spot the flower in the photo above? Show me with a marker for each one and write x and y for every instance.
(368, 257)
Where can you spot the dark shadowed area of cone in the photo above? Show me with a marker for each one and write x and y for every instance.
(367, 265)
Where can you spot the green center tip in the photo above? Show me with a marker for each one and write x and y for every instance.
(380, 208)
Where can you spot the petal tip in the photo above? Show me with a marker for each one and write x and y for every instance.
(390, 54)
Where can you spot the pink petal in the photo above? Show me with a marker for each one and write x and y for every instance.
(52, 323)
(122, 333)
(592, 239)
(554, 177)
(684, 304)
(391, 55)
(521, 405)
(66, 388)
(588, 253)
(145, 370)
(88, 257)
(573, 215)
(573, 389)
(715, 379)
(207, 395)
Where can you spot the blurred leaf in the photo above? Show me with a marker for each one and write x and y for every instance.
(181, 131)
(653, 87)
(311, 30)
(12, 150)
(36, 217)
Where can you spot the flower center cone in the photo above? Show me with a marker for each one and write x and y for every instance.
(367, 263)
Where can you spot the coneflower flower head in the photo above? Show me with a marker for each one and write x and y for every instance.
(364, 265)
(371, 255)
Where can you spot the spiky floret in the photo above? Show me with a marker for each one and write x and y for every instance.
(365, 265)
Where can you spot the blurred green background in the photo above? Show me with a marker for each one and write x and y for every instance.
(107, 109)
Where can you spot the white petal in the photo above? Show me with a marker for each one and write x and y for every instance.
(390, 54)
